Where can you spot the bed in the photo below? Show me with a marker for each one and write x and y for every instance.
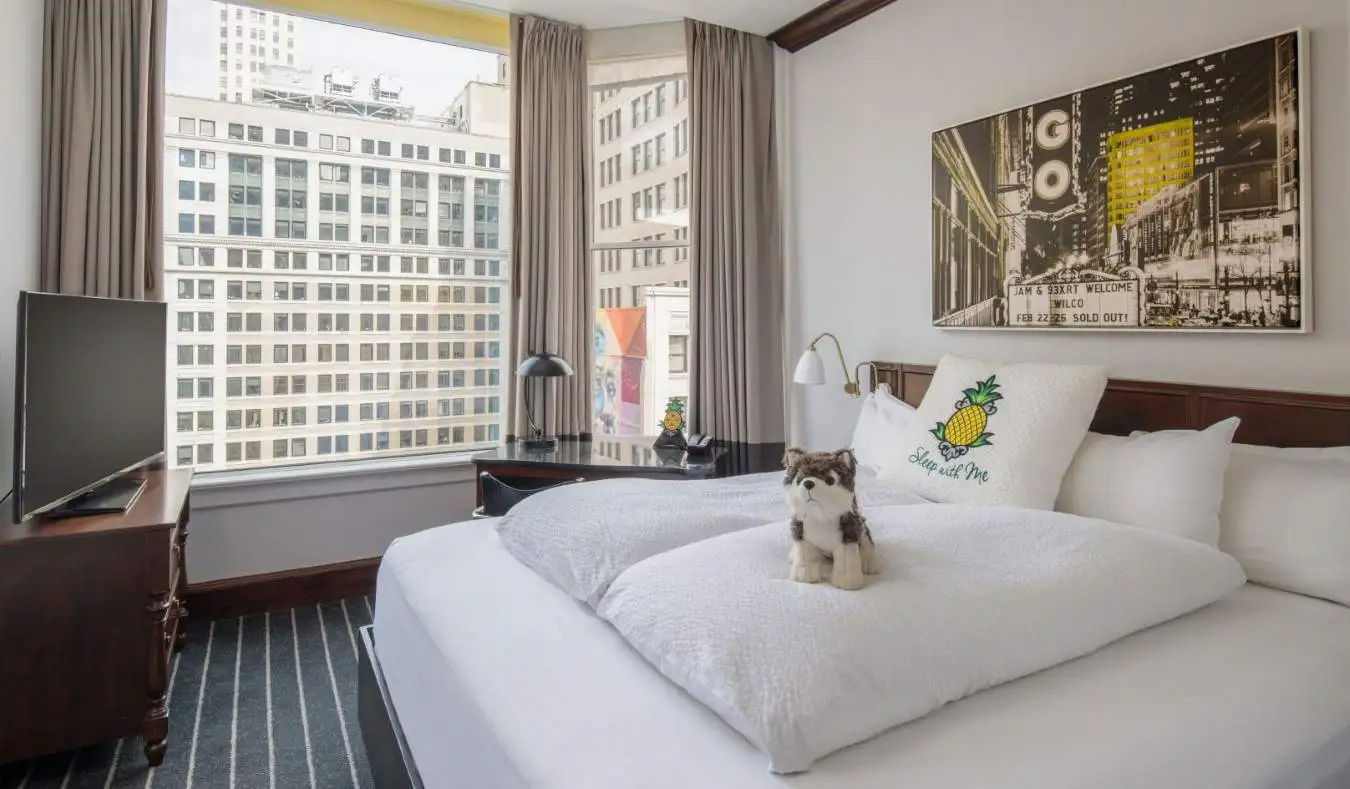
(488, 676)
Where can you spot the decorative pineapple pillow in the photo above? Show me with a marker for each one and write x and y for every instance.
(991, 433)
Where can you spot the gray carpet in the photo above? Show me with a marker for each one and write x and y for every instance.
(262, 702)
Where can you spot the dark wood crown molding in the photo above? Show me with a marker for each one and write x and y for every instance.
(826, 18)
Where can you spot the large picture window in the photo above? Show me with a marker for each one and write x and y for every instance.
(331, 299)
(640, 115)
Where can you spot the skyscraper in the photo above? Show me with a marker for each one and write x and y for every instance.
(250, 39)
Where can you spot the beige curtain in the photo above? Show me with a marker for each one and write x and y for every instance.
(736, 262)
(102, 148)
(550, 233)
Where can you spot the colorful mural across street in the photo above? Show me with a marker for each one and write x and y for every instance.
(620, 355)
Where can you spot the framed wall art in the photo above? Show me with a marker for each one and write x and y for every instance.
(1174, 200)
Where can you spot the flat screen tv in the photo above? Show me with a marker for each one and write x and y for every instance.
(89, 404)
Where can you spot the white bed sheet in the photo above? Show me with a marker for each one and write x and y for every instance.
(503, 682)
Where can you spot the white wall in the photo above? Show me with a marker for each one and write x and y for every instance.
(866, 100)
(20, 130)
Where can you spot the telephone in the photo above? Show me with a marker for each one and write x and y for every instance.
(699, 444)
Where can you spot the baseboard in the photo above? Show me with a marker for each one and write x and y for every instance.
(256, 594)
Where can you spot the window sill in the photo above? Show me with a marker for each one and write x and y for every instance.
(257, 486)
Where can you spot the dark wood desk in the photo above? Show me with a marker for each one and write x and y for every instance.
(90, 611)
(607, 457)
(602, 458)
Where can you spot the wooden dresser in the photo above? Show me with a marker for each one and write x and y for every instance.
(90, 612)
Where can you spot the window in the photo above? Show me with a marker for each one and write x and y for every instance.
(679, 353)
(626, 234)
(335, 173)
(301, 352)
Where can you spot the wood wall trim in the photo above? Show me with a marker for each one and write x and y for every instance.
(256, 594)
(823, 20)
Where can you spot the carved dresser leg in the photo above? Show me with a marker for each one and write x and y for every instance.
(155, 726)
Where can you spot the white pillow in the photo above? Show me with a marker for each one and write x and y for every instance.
(881, 423)
(1170, 481)
(1287, 522)
(1297, 453)
(992, 433)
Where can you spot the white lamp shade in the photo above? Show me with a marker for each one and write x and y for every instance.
(810, 369)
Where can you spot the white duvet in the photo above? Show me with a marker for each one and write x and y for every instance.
(971, 597)
(581, 537)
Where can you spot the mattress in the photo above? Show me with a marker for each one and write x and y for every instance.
(501, 681)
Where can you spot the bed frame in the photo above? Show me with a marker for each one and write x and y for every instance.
(1270, 418)
(391, 762)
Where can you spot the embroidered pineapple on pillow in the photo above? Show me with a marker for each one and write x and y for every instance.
(996, 433)
(965, 430)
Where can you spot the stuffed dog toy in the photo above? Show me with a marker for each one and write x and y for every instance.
(825, 519)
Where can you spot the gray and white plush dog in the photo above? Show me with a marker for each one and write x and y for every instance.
(825, 519)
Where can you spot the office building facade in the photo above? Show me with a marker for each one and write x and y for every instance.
(337, 274)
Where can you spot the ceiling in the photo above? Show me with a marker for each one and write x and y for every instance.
(755, 16)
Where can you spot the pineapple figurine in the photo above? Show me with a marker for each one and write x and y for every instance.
(672, 426)
(965, 429)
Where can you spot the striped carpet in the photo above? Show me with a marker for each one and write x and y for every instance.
(262, 702)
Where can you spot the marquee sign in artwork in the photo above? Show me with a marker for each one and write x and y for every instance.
(1088, 303)
(1172, 200)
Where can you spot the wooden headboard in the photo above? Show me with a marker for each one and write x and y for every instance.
(1270, 418)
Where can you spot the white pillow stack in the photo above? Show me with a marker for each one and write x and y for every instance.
(1283, 513)
(1170, 481)
(991, 433)
(1016, 434)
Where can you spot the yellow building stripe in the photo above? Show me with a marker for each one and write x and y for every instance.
(420, 17)
(1143, 162)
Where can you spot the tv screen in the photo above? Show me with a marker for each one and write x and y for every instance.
(90, 391)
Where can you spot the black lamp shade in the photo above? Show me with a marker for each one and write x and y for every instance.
(543, 365)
